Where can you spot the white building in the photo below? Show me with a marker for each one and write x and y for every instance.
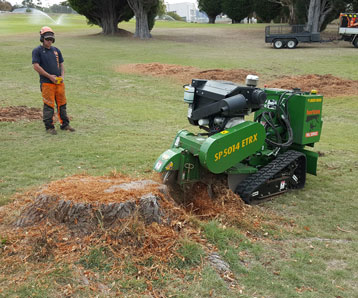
(186, 10)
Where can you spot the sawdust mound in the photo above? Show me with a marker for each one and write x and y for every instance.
(223, 203)
(135, 217)
(327, 85)
(129, 222)
(184, 74)
(16, 113)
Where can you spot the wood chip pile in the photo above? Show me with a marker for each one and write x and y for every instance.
(15, 113)
(327, 85)
(65, 220)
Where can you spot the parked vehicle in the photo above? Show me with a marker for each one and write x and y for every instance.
(348, 27)
(289, 36)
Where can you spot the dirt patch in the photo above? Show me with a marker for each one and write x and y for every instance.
(16, 113)
(184, 74)
(327, 85)
(118, 209)
(127, 224)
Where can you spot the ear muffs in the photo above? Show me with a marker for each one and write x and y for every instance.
(49, 33)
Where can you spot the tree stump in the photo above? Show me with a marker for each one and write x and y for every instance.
(84, 218)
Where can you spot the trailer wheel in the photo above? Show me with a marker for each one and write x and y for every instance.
(355, 42)
(278, 44)
(292, 43)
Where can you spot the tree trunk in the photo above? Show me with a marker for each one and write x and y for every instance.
(317, 13)
(292, 14)
(109, 26)
(313, 16)
(109, 19)
(212, 19)
(326, 8)
(85, 218)
(141, 26)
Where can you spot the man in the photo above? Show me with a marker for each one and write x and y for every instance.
(48, 62)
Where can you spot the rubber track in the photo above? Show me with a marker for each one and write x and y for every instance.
(254, 181)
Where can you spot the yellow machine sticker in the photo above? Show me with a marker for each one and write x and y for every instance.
(314, 100)
(169, 166)
(235, 147)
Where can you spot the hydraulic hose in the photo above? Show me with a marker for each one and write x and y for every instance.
(282, 116)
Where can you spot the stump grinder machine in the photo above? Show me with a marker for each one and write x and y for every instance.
(257, 158)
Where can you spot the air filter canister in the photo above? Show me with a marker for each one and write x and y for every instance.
(252, 80)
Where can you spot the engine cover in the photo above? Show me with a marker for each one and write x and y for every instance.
(229, 147)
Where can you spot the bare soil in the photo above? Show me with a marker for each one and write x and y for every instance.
(327, 85)
(184, 74)
(16, 113)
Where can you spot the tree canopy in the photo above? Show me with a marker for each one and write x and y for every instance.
(212, 8)
(161, 8)
(237, 10)
(109, 13)
(317, 14)
(353, 7)
(265, 10)
(105, 13)
(5, 6)
(290, 6)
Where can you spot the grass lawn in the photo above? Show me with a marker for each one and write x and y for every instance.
(307, 246)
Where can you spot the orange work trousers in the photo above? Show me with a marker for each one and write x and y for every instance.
(51, 94)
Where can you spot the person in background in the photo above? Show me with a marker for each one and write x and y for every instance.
(47, 60)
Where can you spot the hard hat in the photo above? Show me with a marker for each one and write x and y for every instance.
(46, 29)
(46, 32)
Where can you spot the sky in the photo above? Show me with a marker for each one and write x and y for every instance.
(47, 3)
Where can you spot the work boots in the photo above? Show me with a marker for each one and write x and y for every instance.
(69, 128)
(51, 131)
